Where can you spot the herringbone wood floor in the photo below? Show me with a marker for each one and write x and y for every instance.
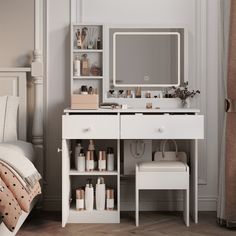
(151, 224)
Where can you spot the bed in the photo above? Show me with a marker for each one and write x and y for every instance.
(20, 171)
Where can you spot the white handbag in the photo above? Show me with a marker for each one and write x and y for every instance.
(163, 155)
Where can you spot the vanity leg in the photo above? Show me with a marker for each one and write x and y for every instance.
(136, 199)
(186, 207)
(194, 180)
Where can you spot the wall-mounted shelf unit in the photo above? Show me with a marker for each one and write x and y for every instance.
(92, 46)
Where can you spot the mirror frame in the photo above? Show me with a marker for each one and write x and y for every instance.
(145, 85)
(107, 82)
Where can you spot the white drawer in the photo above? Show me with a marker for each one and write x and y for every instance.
(162, 126)
(90, 126)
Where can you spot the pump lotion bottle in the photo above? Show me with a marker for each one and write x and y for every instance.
(89, 196)
(100, 194)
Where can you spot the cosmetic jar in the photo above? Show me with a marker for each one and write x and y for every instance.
(110, 199)
(79, 199)
(148, 105)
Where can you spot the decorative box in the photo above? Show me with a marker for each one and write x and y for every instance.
(88, 101)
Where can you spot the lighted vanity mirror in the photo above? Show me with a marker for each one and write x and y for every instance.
(146, 57)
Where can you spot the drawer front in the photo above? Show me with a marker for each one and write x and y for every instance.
(90, 127)
(162, 127)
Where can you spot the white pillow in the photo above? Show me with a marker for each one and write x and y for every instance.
(3, 102)
(24, 148)
(8, 118)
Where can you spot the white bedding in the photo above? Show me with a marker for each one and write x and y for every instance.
(24, 148)
(4, 231)
(14, 155)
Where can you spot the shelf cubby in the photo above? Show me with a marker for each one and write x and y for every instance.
(95, 56)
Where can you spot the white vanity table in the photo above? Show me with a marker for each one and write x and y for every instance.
(166, 66)
(119, 125)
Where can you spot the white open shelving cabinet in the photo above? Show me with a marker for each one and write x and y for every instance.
(71, 176)
(95, 56)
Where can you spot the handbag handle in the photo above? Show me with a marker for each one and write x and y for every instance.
(164, 145)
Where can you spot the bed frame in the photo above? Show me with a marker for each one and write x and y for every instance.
(13, 81)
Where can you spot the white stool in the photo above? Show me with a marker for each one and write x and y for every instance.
(171, 172)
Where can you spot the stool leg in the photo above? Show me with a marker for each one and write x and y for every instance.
(186, 207)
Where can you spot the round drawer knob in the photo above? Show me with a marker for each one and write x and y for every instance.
(161, 129)
(87, 129)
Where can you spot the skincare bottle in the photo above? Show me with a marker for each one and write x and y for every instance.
(89, 161)
(77, 66)
(102, 161)
(80, 162)
(91, 147)
(110, 159)
(79, 199)
(110, 199)
(138, 92)
(89, 196)
(78, 148)
(100, 194)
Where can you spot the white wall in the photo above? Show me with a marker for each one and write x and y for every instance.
(167, 12)
(16, 32)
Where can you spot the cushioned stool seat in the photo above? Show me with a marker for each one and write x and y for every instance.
(168, 171)
(163, 166)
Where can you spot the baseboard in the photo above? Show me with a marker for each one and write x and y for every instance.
(206, 203)
(51, 204)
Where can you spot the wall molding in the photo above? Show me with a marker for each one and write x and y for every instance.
(200, 80)
(206, 203)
